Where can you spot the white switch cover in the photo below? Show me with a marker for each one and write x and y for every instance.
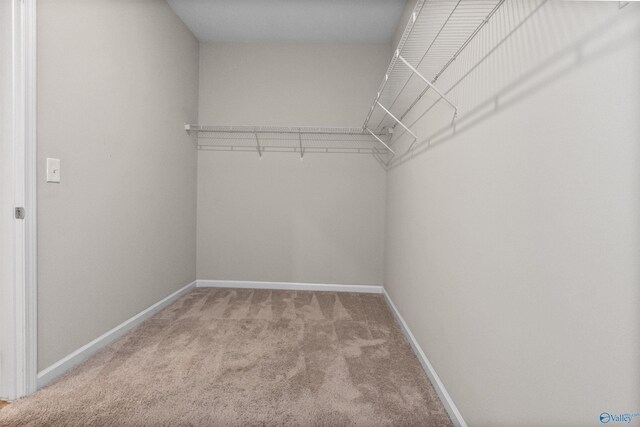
(53, 170)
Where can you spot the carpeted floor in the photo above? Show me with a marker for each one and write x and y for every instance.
(247, 357)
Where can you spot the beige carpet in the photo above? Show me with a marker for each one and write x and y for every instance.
(247, 357)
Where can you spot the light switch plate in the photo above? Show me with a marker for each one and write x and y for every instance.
(53, 170)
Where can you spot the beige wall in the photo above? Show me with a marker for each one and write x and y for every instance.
(320, 220)
(513, 244)
(289, 84)
(116, 81)
(280, 218)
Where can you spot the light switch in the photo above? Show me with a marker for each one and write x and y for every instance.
(53, 170)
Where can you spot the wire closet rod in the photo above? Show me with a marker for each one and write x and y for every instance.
(299, 139)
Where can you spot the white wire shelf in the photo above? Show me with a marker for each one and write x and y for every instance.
(436, 33)
(299, 140)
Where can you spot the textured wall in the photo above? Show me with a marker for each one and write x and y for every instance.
(513, 243)
(282, 219)
(116, 81)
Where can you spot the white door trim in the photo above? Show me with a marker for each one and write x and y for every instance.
(31, 183)
(19, 355)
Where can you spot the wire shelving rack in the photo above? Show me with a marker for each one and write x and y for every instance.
(299, 140)
(437, 31)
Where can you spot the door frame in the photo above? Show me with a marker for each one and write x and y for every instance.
(18, 370)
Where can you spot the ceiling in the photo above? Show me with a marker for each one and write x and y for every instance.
(342, 21)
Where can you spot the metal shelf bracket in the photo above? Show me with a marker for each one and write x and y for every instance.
(380, 141)
(258, 145)
(397, 120)
(300, 142)
(431, 85)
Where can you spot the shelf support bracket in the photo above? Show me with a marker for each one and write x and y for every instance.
(300, 143)
(442, 95)
(380, 141)
(258, 145)
(397, 120)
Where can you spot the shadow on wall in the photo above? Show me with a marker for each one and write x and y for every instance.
(524, 47)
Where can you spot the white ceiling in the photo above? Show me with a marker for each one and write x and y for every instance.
(371, 21)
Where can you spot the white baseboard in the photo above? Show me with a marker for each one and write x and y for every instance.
(83, 353)
(452, 410)
(370, 289)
